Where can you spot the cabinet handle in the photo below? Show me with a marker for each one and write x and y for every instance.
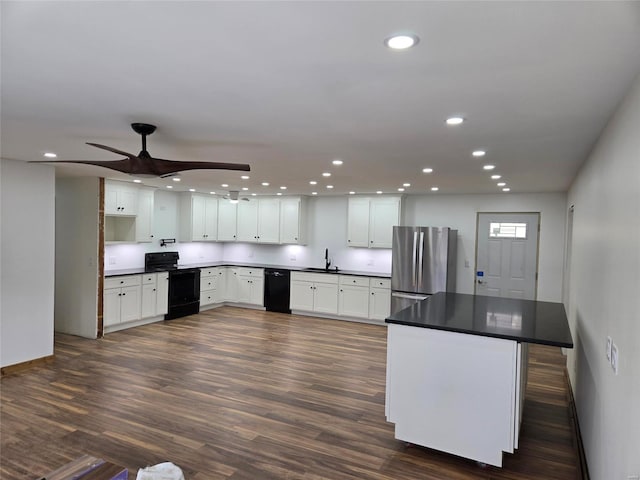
(151, 236)
(295, 238)
(119, 294)
(154, 289)
(371, 241)
(341, 290)
(372, 293)
(121, 281)
(354, 281)
(348, 240)
(123, 294)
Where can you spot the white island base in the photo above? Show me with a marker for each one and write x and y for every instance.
(455, 392)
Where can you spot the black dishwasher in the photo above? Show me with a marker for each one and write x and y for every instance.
(276, 290)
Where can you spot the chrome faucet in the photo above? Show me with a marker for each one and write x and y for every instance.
(327, 262)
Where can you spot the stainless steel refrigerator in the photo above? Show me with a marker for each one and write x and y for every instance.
(423, 262)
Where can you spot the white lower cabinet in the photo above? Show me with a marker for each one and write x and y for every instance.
(129, 298)
(211, 285)
(354, 296)
(314, 292)
(121, 299)
(236, 285)
(379, 298)
(250, 286)
(231, 285)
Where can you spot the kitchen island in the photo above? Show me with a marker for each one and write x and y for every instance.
(457, 370)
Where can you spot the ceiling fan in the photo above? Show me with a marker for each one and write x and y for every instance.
(233, 197)
(144, 164)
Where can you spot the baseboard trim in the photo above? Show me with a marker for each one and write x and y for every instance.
(19, 367)
(583, 469)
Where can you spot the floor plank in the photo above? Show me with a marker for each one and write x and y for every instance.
(238, 394)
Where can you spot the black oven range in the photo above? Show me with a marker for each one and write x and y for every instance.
(184, 283)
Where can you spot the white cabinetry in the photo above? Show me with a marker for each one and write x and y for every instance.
(250, 286)
(259, 221)
(353, 296)
(144, 218)
(314, 292)
(209, 286)
(121, 299)
(370, 221)
(231, 285)
(198, 218)
(120, 199)
(379, 298)
(293, 220)
(227, 217)
(155, 294)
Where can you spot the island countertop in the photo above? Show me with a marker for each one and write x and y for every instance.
(527, 321)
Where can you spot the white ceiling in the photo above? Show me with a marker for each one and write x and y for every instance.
(289, 86)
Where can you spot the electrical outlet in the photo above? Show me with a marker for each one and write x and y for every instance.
(466, 264)
(614, 358)
(609, 342)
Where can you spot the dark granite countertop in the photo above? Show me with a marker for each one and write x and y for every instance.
(140, 270)
(525, 321)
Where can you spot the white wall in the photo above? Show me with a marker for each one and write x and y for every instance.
(76, 252)
(604, 296)
(26, 261)
(460, 212)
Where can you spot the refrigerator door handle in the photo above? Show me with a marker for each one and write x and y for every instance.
(415, 260)
(420, 260)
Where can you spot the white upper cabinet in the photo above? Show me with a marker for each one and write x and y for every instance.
(227, 217)
(259, 221)
(144, 219)
(120, 199)
(198, 218)
(293, 220)
(371, 220)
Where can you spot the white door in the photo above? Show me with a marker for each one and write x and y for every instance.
(301, 295)
(226, 221)
(383, 216)
(290, 220)
(162, 293)
(325, 298)
(247, 224)
(507, 254)
(358, 222)
(353, 301)
(268, 220)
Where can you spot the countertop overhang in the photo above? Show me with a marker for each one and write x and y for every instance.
(527, 321)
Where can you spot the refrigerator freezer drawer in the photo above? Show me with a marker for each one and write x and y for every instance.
(402, 300)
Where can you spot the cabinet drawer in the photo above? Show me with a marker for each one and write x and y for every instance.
(208, 283)
(380, 282)
(207, 297)
(208, 272)
(331, 278)
(250, 272)
(123, 281)
(149, 278)
(354, 281)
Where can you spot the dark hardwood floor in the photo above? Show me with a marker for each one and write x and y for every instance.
(242, 394)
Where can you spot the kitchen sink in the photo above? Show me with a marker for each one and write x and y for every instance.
(322, 270)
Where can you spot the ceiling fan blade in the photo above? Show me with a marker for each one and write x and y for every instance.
(111, 149)
(123, 166)
(164, 167)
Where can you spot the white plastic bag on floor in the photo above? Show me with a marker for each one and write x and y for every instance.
(161, 471)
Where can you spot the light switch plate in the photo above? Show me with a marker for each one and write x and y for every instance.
(614, 358)
(609, 342)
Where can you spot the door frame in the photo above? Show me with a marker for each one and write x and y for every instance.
(475, 269)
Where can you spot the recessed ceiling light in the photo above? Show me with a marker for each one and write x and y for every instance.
(337, 162)
(279, 193)
(192, 189)
(352, 193)
(329, 186)
(253, 194)
(245, 188)
(401, 189)
(454, 120)
(283, 188)
(501, 184)
(265, 184)
(495, 177)
(169, 186)
(434, 189)
(478, 153)
(427, 170)
(406, 184)
(401, 42)
(137, 180)
(506, 189)
(245, 177)
(314, 193)
(379, 192)
(224, 185)
(326, 174)
(176, 179)
(313, 182)
(212, 193)
(488, 167)
(50, 155)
